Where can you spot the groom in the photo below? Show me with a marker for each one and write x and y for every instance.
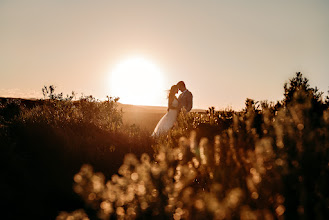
(185, 99)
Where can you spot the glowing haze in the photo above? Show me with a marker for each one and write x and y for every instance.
(225, 50)
(137, 81)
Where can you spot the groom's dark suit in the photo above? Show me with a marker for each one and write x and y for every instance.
(185, 100)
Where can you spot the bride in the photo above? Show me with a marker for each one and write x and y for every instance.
(168, 120)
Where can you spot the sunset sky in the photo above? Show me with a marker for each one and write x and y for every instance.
(225, 51)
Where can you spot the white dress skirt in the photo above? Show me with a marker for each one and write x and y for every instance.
(167, 121)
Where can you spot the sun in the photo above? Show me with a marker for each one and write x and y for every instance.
(137, 81)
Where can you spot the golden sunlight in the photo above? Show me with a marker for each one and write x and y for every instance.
(137, 81)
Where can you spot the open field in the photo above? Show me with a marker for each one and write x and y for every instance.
(62, 159)
(146, 117)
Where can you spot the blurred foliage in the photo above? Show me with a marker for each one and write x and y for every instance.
(269, 161)
(75, 215)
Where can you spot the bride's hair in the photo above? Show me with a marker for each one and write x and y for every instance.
(171, 94)
(172, 91)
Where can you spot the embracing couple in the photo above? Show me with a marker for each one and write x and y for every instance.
(175, 105)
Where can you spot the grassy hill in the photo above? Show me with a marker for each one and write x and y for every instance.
(268, 161)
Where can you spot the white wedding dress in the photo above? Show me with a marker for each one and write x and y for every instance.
(167, 121)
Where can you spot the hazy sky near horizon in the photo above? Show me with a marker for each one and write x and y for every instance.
(224, 50)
